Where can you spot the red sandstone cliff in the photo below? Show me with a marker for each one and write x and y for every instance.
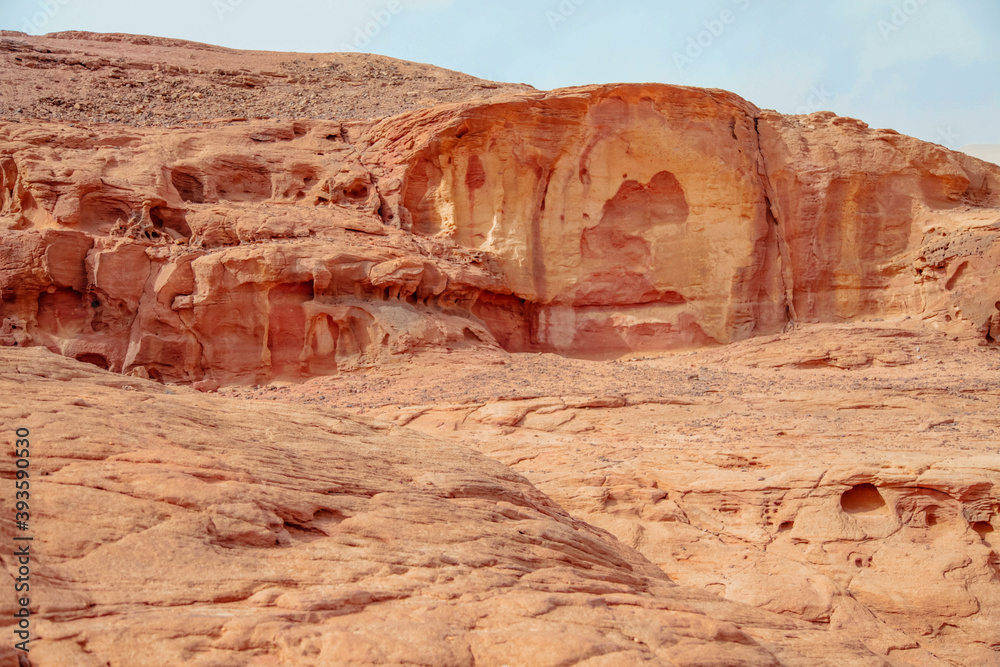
(649, 217)
(590, 222)
(812, 512)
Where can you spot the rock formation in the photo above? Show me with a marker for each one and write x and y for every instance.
(631, 218)
(589, 222)
(608, 375)
(172, 531)
(846, 475)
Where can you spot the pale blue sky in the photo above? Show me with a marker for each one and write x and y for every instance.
(930, 68)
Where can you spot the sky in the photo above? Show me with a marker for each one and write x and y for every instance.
(928, 68)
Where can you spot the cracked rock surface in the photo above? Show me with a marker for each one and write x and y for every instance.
(172, 527)
(845, 475)
(335, 359)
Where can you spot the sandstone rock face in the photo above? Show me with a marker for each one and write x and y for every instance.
(843, 475)
(612, 375)
(633, 218)
(879, 224)
(174, 528)
(351, 252)
(625, 217)
(220, 268)
(588, 222)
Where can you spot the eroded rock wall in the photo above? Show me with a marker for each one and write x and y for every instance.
(649, 217)
(237, 254)
(589, 222)
(878, 224)
(627, 218)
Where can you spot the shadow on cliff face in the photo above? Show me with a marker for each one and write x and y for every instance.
(618, 265)
(589, 222)
(605, 311)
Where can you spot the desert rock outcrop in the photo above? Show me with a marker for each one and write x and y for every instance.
(632, 218)
(610, 375)
(589, 222)
(174, 530)
(842, 474)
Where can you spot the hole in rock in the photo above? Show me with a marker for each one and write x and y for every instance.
(931, 516)
(93, 358)
(188, 186)
(858, 562)
(862, 498)
(984, 528)
(786, 526)
(242, 179)
(357, 190)
(100, 211)
(164, 217)
(156, 216)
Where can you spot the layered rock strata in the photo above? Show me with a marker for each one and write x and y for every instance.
(589, 222)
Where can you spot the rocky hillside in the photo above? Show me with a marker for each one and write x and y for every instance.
(84, 77)
(331, 354)
(589, 222)
(178, 530)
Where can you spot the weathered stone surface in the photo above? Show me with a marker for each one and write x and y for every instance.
(399, 471)
(589, 222)
(844, 475)
(172, 527)
(651, 217)
(216, 268)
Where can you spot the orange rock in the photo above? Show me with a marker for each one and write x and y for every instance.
(173, 527)
(820, 490)
(590, 221)
(650, 217)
